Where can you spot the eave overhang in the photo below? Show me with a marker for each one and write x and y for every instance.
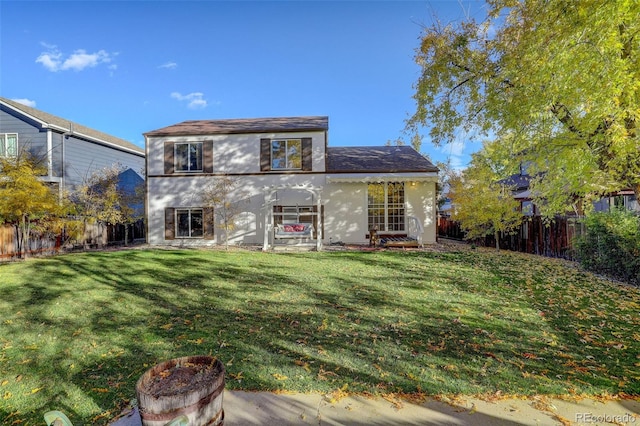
(381, 177)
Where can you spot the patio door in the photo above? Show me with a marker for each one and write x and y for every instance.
(386, 206)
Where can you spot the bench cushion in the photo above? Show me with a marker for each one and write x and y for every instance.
(294, 230)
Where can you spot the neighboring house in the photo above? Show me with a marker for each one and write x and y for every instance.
(519, 184)
(625, 198)
(71, 152)
(292, 187)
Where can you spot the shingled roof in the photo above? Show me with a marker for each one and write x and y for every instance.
(244, 125)
(518, 182)
(68, 126)
(377, 159)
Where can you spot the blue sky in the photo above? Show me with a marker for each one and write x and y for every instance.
(129, 67)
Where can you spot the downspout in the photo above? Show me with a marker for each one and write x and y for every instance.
(62, 165)
(319, 235)
(146, 192)
(267, 203)
(49, 154)
(436, 208)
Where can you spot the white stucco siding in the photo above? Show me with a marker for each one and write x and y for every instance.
(420, 200)
(347, 195)
(185, 191)
(235, 154)
(345, 206)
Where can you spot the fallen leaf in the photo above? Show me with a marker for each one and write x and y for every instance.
(238, 376)
(303, 364)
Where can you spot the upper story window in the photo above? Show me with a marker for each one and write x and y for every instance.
(286, 154)
(188, 157)
(8, 144)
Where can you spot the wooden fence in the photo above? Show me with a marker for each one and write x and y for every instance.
(534, 236)
(96, 235)
(37, 244)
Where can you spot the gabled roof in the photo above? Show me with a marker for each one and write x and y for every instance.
(244, 125)
(64, 125)
(377, 159)
(519, 182)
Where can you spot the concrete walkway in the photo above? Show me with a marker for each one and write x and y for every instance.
(263, 408)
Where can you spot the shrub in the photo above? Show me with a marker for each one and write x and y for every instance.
(611, 245)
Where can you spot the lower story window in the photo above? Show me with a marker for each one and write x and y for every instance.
(385, 206)
(189, 223)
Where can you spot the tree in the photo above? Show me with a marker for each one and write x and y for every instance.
(131, 207)
(98, 197)
(25, 200)
(226, 197)
(480, 203)
(556, 81)
(101, 199)
(397, 142)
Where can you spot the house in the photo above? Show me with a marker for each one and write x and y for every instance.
(519, 184)
(293, 188)
(71, 152)
(625, 198)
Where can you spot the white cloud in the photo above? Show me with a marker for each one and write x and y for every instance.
(54, 60)
(48, 46)
(27, 102)
(50, 60)
(195, 100)
(80, 60)
(169, 65)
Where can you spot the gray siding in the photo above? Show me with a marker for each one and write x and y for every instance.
(82, 158)
(56, 154)
(71, 156)
(30, 136)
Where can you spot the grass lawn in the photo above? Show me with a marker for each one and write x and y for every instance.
(78, 330)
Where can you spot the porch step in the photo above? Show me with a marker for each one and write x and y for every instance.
(399, 242)
(294, 247)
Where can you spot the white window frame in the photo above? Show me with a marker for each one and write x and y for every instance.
(288, 161)
(4, 145)
(189, 211)
(387, 225)
(178, 158)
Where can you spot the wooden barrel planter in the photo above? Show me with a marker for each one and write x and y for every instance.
(190, 386)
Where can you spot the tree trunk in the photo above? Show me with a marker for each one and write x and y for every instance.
(25, 237)
(226, 235)
(126, 233)
(497, 237)
(18, 234)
